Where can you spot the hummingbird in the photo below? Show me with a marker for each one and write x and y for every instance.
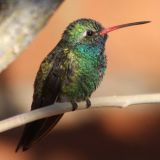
(69, 73)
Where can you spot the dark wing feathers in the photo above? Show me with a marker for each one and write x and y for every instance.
(50, 90)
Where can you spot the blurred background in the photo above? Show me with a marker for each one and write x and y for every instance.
(133, 68)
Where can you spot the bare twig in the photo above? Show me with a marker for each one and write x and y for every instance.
(58, 108)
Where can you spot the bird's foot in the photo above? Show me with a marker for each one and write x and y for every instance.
(74, 105)
(88, 103)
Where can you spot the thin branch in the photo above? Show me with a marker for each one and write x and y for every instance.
(58, 108)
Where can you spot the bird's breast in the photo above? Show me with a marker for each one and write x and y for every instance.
(83, 76)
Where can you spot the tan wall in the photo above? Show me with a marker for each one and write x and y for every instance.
(133, 67)
(134, 49)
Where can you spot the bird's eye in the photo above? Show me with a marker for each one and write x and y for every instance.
(90, 33)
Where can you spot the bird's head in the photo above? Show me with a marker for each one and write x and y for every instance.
(84, 31)
(90, 32)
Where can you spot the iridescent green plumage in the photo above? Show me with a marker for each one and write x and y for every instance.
(86, 58)
(71, 72)
(87, 71)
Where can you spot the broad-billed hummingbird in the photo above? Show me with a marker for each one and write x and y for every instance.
(70, 73)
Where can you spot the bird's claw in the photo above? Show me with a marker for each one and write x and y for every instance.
(74, 105)
(88, 103)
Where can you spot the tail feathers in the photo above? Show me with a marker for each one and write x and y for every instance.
(34, 131)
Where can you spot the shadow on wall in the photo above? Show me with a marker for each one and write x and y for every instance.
(84, 142)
